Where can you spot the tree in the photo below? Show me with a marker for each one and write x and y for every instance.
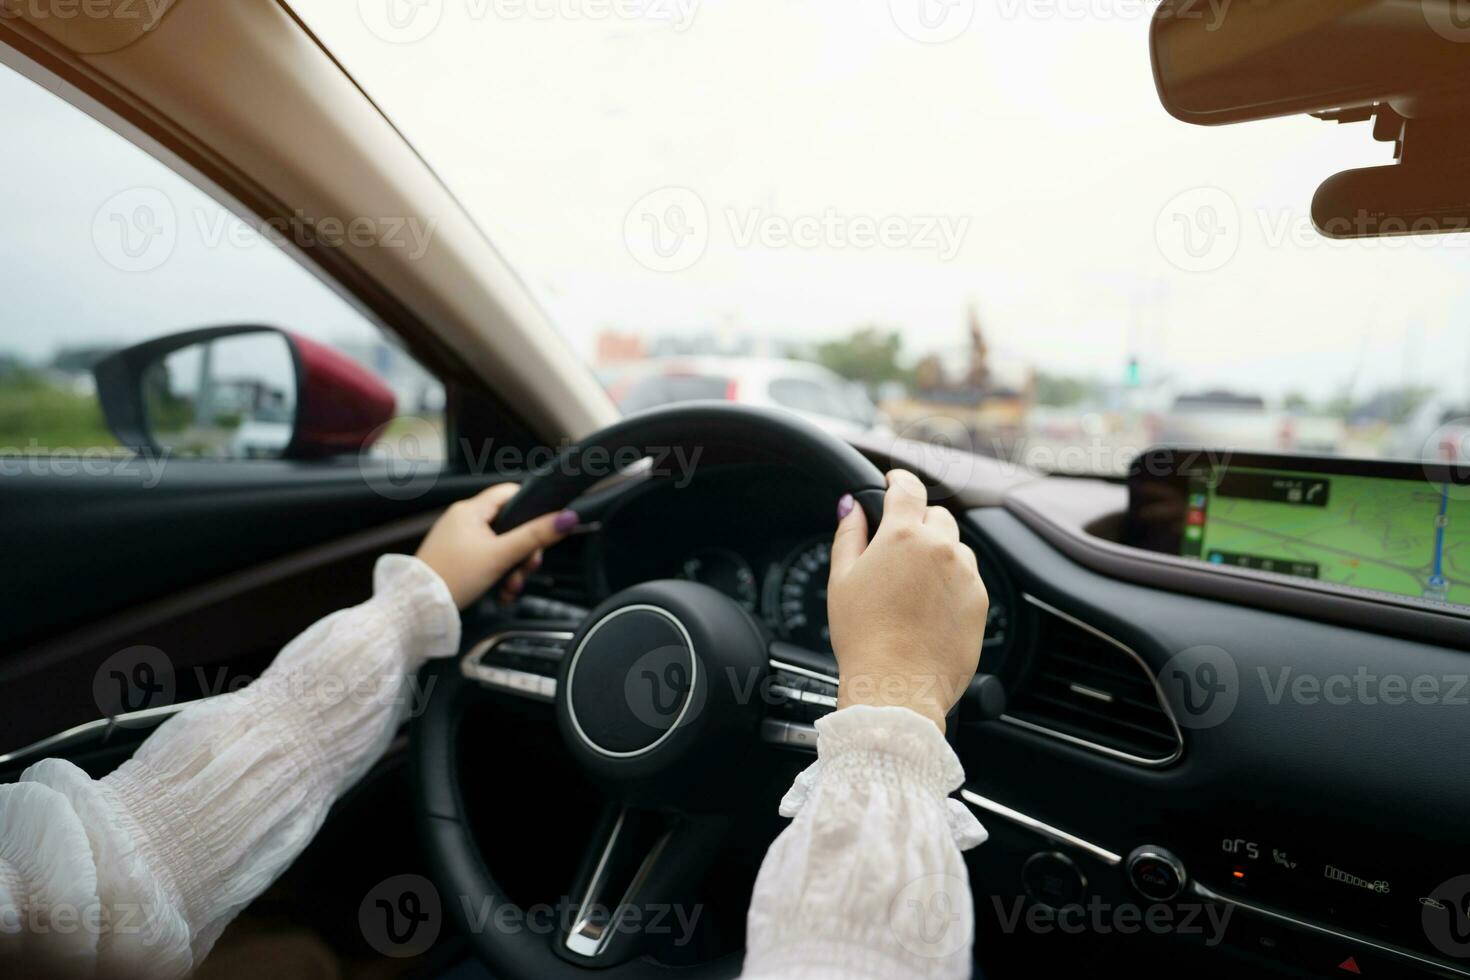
(870, 356)
(1060, 391)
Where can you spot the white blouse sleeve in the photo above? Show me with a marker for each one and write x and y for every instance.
(138, 873)
(868, 880)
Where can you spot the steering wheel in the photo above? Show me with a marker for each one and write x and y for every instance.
(652, 695)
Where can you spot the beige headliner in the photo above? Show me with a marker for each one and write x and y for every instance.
(249, 92)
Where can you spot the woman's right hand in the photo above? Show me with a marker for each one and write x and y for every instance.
(907, 609)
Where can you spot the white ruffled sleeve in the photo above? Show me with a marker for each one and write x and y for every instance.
(868, 880)
(153, 861)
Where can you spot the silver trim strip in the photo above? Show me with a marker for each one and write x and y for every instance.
(804, 697)
(99, 731)
(789, 734)
(586, 938)
(517, 682)
(1211, 895)
(1044, 829)
(1093, 746)
(803, 672)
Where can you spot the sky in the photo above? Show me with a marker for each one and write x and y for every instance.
(65, 278)
(797, 169)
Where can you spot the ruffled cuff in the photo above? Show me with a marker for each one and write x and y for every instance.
(46, 871)
(416, 600)
(893, 746)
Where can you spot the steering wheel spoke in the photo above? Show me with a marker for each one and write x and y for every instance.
(627, 894)
(520, 662)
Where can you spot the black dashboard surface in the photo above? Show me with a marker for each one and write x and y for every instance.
(1316, 777)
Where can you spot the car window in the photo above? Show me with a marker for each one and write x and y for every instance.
(106, 248)
(666, 388)
(806, 395)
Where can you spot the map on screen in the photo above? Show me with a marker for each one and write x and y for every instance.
(1409, 537)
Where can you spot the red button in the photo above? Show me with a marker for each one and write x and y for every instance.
(1350, 964)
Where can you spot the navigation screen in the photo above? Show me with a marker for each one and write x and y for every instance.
(1406, 536)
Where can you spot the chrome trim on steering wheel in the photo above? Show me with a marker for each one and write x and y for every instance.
(507, 680)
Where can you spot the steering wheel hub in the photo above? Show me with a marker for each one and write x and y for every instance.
(664, 684)
(646, 653)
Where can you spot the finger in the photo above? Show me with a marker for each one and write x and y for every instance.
(905, 501)
(487, 503)
(520, 544)
(513, 587)
(942, 521)
(851, 538)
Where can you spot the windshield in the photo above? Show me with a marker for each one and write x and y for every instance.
(978, 213)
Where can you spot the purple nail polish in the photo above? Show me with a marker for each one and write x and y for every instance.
(566, 521)
(845, 506)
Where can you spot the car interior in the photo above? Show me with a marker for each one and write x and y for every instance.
(1220, 686)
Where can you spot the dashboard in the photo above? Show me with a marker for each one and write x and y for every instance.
(1331, 828)
(770, 551)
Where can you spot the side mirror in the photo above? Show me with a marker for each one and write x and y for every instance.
(241, 392)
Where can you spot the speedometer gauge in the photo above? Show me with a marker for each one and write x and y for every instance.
(800, 607)
(796, 599)
(723, 570)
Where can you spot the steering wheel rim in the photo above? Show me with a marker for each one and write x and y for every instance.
(457, 864)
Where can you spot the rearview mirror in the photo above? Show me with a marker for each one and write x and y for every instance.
(1226, 62)
(239, 393)
(1404, 66)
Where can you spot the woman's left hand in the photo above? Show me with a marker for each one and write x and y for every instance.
(470, 557)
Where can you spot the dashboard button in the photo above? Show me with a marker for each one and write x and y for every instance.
(1155, 873)
(1053, 880)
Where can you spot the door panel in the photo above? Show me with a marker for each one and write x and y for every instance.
(214, 570)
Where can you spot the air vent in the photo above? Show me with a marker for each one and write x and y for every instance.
(1092, 691)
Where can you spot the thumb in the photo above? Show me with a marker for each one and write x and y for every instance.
(517, 545)
(852, 536)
